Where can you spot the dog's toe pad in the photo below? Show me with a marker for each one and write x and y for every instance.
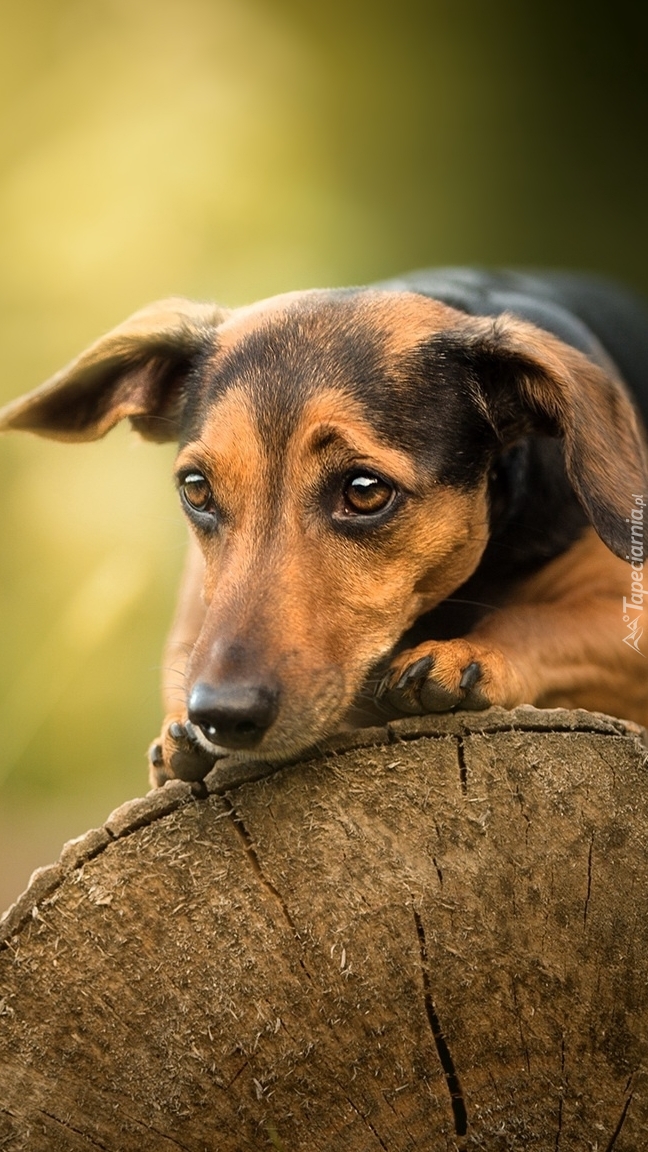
(436, 698)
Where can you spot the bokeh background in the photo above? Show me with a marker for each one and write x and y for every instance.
(230, 149)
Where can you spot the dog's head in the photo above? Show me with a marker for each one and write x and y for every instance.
(334, 456)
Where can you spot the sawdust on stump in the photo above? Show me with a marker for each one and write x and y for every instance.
(433, 938)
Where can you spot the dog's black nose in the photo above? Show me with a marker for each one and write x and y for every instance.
(233, 715)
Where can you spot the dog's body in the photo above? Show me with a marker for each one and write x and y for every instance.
(416, 497)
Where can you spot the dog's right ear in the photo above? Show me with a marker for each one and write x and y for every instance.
(137, 371)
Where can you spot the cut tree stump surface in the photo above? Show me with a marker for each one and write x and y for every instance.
(433, 936)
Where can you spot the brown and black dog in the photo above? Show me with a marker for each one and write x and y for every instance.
(419, 496)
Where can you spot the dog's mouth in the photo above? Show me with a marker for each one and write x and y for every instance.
(301, 726)
(307, 727)
(277, 748)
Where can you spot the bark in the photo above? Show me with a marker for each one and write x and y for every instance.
(433, 938)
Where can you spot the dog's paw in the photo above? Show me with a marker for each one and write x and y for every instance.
(445, 674)
(178, 754)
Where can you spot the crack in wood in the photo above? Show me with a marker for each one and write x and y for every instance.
(562, 729)
(457, 1100)
(463, 771)
(589, 880)
(560, 1121)
(518, 1013)
(71, 1128)
(399, 1116)
(559, 728)
(622, 1119)
(367, 1122)
(151, 1128)
(562, 1095)
(226, 1087)
(251, 855)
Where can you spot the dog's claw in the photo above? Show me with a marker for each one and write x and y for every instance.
(416, 671)
(474, 696)
(156, 755)
(158, 772)
(404, 693)
(470, 676)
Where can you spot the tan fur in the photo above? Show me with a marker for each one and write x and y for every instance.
(564, 631)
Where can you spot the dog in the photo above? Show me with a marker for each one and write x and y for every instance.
(423, 495)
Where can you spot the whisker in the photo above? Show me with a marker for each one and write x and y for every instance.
(172, 672)
(472, 603)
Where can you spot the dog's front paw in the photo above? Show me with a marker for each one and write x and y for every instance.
(444, 674)
(178, 754)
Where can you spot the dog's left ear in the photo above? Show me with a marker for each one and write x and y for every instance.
(137, 371)
(526, 380)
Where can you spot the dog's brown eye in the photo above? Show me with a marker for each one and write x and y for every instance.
(366, 495)
(196, 491)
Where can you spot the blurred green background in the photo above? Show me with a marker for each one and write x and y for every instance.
(229, 149)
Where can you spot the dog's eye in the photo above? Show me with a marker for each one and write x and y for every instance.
(365, 494)
(196, 492)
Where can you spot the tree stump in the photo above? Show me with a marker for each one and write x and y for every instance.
(433, 937)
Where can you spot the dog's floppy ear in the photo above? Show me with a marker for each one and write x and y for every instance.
(527, 380)
(134, 371)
